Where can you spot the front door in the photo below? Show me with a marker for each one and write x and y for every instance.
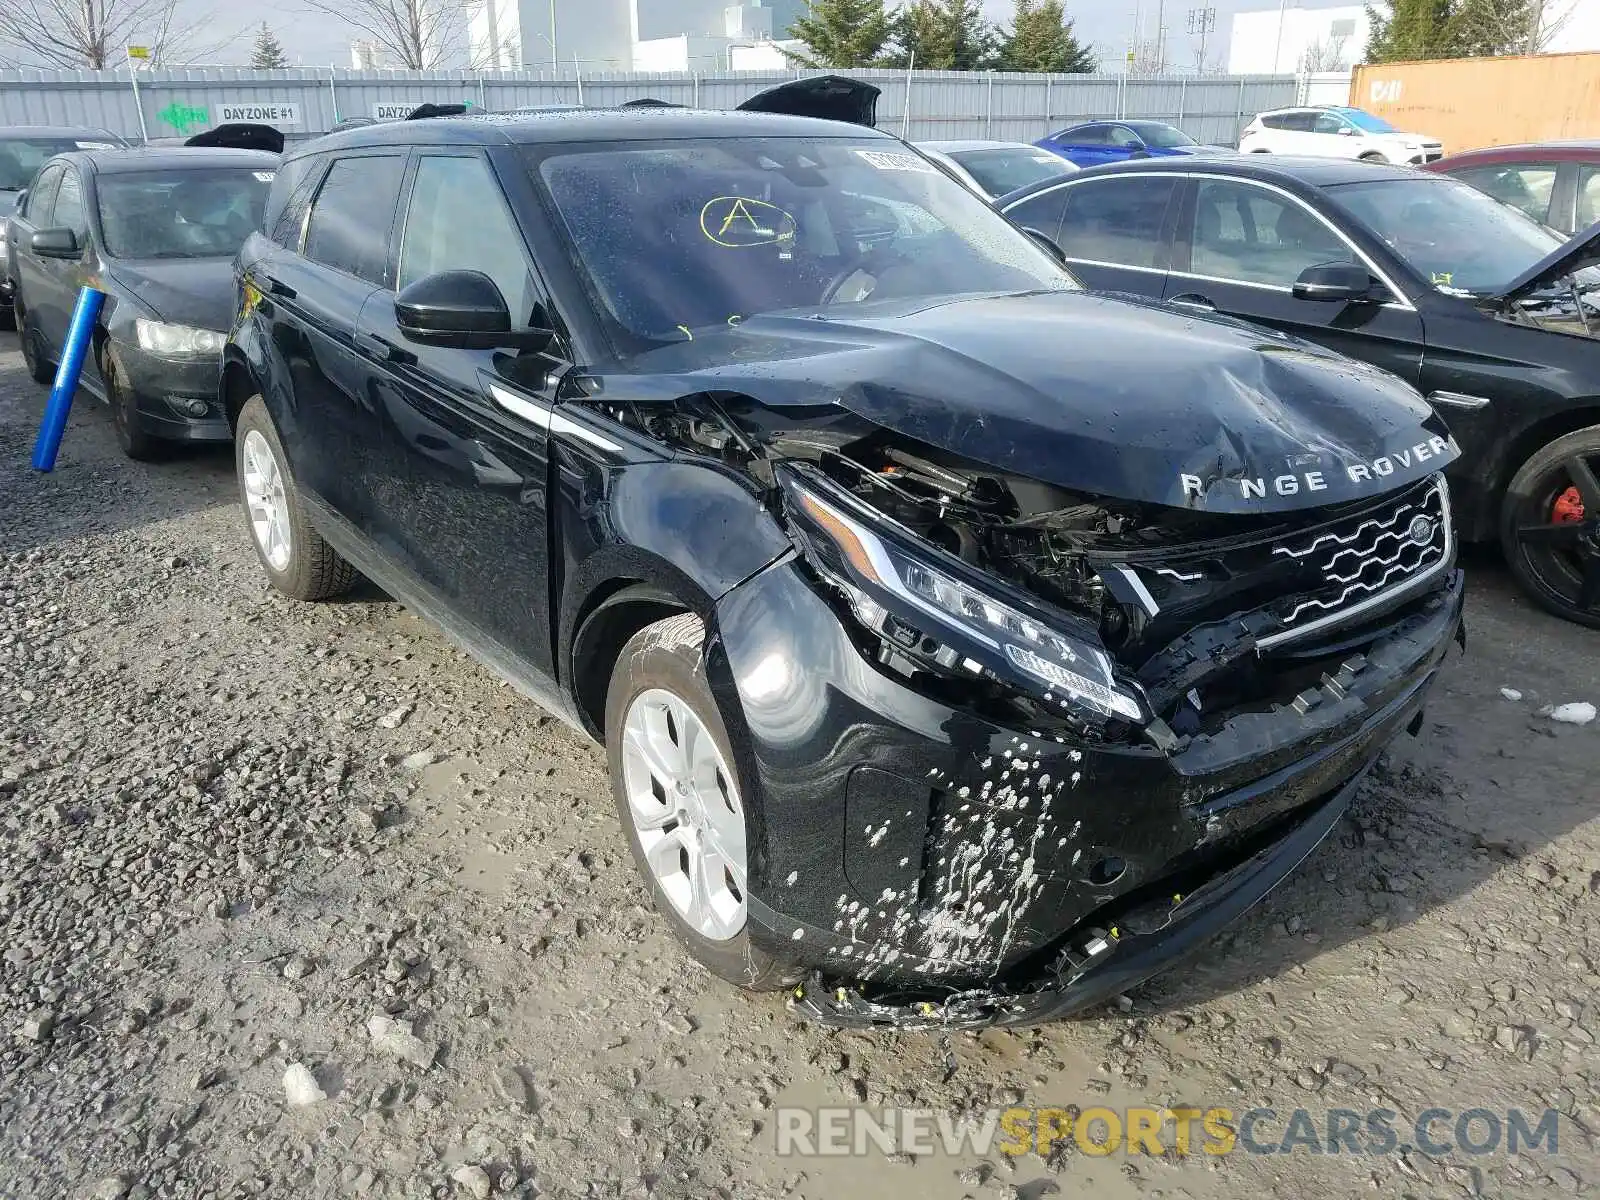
(462, 486)
(1239, 250)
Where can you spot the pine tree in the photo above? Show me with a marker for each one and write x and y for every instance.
(267, 53)
(944, 35)
(1484, 28)
(842, 33)
(1041, 39)
(1410, 30)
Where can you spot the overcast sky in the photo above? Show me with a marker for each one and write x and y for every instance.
(315, 39)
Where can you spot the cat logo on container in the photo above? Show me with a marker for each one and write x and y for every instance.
(737, 222)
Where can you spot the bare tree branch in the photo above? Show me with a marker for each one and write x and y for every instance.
(421, 35)
(71, 34)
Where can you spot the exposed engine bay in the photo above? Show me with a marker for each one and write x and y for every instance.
(1186, 602)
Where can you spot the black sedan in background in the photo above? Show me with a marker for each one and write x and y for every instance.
(156, 231)
(1489, 314)
(22, 150)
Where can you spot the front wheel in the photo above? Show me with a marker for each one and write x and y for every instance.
(679, 797)
(1550, 526)
(39, 368)
(298, 562)
(131, 436)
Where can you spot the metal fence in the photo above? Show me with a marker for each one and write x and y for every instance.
(923, 105)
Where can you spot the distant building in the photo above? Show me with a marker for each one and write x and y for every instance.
(621, 35)
(1295, 40)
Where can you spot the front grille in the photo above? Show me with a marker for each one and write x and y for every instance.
(1366, 560)
(1286, 583)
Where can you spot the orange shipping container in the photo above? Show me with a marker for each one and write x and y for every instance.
(1471, 102)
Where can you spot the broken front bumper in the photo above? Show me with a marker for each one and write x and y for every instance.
(968, 870)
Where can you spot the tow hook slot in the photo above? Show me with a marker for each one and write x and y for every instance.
(1333, 688)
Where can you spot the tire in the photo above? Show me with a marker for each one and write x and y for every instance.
(700, 813)
(135, 442)
(1372, 156)
(1550, 527)
(298, 562)
(40, 369)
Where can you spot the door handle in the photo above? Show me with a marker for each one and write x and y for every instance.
(383, 347)
(1194, 300)
(274, 288)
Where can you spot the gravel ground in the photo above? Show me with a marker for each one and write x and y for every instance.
(296, 900)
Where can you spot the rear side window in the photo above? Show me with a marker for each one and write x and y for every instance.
(289, 198)
(1116, 221)
(1088, 135)
(1042, 212)
(1526, 186)
(1588, 197)
(349, 226)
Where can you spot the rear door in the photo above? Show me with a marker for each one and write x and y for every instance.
(1240, 247)
(318, 295)
(1114, 229)
(462, 483)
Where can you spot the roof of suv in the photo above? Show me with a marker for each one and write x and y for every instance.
(166, 158)
(582, 125)
(1317, 172)
(77, 132)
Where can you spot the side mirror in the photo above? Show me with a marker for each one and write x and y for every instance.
(1345, 282)
(1346, 131)
(463, 309)
(1139, 152)
(1046, 243)
(55, 243)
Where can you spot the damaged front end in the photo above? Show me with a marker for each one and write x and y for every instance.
(1021, 746)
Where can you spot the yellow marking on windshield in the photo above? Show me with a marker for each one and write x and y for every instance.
(738, 221)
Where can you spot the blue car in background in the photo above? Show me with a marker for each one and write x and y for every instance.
(1096, 142)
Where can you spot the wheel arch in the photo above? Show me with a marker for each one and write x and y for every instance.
(611, 614)
(237, 385)
(1528, 441)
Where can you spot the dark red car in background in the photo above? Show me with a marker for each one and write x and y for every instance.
(1555, 183)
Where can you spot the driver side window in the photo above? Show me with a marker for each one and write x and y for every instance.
(68, 213)
(1125, 138)
(458, 221)
(42, 197)
(1250, 235)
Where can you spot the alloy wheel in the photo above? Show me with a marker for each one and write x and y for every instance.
(685, 807)
(267, 502)
(1558, 532)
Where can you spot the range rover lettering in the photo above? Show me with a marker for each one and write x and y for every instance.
(966, 646)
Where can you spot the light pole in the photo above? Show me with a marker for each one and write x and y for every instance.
(1277, 49)
(1202, 21)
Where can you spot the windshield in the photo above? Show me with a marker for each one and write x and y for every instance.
(191, 213)
(1453, 234)
(20, 158)
(1162, 137)
(679, 236)
(1006, 169)
(1366, 121)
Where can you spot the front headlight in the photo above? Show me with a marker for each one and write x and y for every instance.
(902, 594)
(160, 338)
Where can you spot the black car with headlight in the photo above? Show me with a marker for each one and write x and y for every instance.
(156, 231)
(966, 646)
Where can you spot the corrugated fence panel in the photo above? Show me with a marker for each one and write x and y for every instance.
(942, 104)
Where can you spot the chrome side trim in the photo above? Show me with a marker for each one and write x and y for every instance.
(1459, 400)
(549, 420)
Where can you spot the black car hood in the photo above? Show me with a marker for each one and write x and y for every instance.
(183, 291)
(1580, 251)
(1105, 395)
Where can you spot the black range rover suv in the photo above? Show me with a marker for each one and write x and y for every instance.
(966, 646)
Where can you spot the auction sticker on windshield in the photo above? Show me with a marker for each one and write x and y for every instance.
(888, 161)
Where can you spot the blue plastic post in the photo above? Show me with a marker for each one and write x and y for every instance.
(84, 315)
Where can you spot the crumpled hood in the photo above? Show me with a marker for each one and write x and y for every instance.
(183, 291)
(1105, 395)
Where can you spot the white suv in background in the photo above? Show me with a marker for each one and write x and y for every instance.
(1326, 131)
